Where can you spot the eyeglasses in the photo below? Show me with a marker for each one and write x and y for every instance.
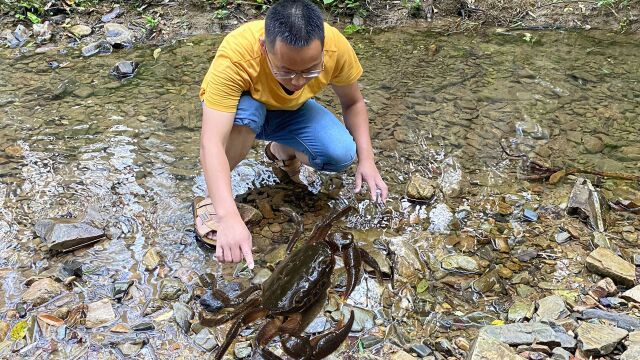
(292, 74)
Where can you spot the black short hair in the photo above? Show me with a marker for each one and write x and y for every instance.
(295, 22)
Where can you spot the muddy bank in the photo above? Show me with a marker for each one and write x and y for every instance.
(156, 23)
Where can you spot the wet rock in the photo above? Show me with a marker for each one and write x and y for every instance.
(521, 310)
(370, 341)
(16, 38)
(120, 289)
(488, 348)
(318, 325)
(407, 261)
(401, 355)
(632, 294)
(171, 289)
(61, 235)
(211, 303)
(72, 268)
(629, 154)
(563, 237)
(632, 353)
(118, 35)
(42, 291)
(151, 259)
(101, 47)
(623, 321)
(264, 206)
(276, 255)
(131, 348)
(83, 92)
(604, 262)
(260, 276)
(603, 288)
(42, 32)
(207, 280)
(364, 318)
(143, 326)
(460, 263)
(205, 339)
(551, 308)
(249, 214)
(592, 144)
(124, 69)
(597, 339)
(183, 315)
(120, 329)
(111, 14)
(420, 188)
(529, 215)
(421, 350)
(527, 334)
(80, 30)
(242, 349)
(4, 329)
(560, 354)
(100, 313)
(586, 203)
(599, 239)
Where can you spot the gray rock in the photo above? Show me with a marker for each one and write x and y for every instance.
(587, 204)
(551, 308)
(606, 263)
(560, 354)
(599, 239)
(124, 69)
(151, 259)
(592, 144)
(527, 334)
(118, 35)
(205, 339)
(632, 353)
(83, 92)
(319, 324)
(242, 349)
(597, 339)
(521, 310)
(42, 291)
(101, 47)
(632, 294)
(364, 318)
(80, 30)
(622, 321)
(421, 189)
(100, 313)
(131, 348)
(407, 262)
(488, 348)
(171, 289)
(42, 32)
(61, 235)
(183, 314)
(260, 276)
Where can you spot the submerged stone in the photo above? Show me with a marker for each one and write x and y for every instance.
(42, 291)
(487, 347)
(100, 313)
(62, 235)
(101, 47)
(124, 69)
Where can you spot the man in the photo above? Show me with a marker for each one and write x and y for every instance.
(259, 86)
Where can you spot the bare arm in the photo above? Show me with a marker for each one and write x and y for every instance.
(233, 237)
(356, 120)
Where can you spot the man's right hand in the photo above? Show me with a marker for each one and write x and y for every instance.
(233, 241)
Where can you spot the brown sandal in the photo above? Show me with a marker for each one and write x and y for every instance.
(290, 168)
(203, 209)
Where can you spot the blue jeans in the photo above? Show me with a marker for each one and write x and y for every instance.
(311, 129)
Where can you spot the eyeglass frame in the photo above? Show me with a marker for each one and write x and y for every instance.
(307, 75)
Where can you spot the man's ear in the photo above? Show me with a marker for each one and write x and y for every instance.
(263, 44)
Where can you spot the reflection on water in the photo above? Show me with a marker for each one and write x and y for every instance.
(75, 140)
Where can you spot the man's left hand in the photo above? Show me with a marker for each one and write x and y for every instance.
(367, 172)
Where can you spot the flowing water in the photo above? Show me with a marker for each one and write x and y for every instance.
(74, 140)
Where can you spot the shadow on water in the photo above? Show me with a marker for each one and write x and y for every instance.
(75, 140)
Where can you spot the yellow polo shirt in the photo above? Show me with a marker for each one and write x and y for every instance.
(239, 66)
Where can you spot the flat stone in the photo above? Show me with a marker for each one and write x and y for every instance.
(420, 188)
(118, 35)
(171, 289)
(551, 308)
(401, 355)
(151, 259)
(592, 144)
(242, 349)
(121, 329)
(598, 340)
(521, 310)
(364, 318)
(560, 354)
(632, 294)
(632, 353)
(42, 291)
(606, 263)
(460, 263)
(4, 329)
(205, 339)
(260, 276)
(100, 313)
(527, 334)
(183, 315)
(488, 348)
(370, 341)
(623, 321)
(66, 234)
(80, 30)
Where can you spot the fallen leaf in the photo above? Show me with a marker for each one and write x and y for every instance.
(156, 53)
(557, 176)
(19, 330)
(497, 322)
(422, 286)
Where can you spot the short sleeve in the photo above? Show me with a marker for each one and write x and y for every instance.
(224, 84)
(348, 69)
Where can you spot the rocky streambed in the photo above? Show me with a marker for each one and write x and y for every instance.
(486, 252)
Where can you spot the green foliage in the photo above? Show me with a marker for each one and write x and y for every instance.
(529, 38)
(344, 7)
(152, 21)
(352, 28)
(220, 14)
